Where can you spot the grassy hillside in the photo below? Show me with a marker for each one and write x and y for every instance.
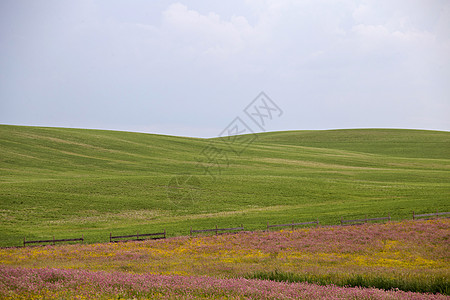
(392, 142)
(68, 182)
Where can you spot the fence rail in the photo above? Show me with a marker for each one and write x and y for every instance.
(216, 230)
(292, 224)
(25, 242)
(136, 237)
(436, 214)
(365, 220)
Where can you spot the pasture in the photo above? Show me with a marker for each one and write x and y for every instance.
(67, 182)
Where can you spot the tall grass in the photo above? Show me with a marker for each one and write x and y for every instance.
(432, 284)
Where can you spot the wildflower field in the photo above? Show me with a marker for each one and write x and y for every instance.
(397, 260)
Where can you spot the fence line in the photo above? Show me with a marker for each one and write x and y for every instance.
(216, 230)
(25, 242)
(292, 224)
(137, 236)
(141, 237)
(436, 214)
(365, 220)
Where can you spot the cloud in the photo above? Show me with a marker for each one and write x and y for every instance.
(330, 63)
(206, 34)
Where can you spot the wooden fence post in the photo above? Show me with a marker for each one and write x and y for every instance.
(53, 240)
(389, 217)
(110, 237)
(292, 225)
(24, 241)
(413, 216)
(217, 232)
(317, 222)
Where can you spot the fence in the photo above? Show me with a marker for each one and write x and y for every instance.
(161, 235)
(216, 230)
(137, 237)
(436, 214)
(365, 220)
(25, 242)
(292, 224)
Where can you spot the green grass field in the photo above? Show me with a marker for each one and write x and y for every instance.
(68, 182)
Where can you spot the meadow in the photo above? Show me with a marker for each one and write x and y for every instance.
(398, 260)
(67, 182)
(79, 284)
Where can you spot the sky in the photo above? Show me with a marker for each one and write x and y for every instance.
(192, 68)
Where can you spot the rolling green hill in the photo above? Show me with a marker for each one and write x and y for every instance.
(392, 142)
(68, 182)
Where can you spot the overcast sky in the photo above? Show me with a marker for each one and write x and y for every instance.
(190, 68)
